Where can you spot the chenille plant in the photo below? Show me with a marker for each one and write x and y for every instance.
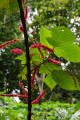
(59, 41)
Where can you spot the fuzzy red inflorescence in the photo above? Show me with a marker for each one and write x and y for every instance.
(8, 42)
(21, 28)
(43, 46)
(33, 77)
(21, 85)
(15, 95)
(26, 13)
(19, 51)
(39, 98)
(42, 56)
(54, 61)
(23, 1)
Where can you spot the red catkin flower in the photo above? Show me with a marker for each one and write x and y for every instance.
(39, 98)
(8, 42)
(54, 61)
(17, 51)
(43, 46)
(21, 28)
(26, 13)
(23, 1)
(21, 85)
(33, 77)
(15, 95)
(42, 56)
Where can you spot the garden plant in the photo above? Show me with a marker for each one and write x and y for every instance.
(58, 41)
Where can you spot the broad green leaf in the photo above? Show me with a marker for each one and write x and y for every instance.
(65, 81)
(70, 53)
(61, 36)
(43, 34)
(50, 81)
(47, 68)
(77, 106)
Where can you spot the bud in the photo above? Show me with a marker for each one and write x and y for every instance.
(19, 51)
(21, 28)
(26, 13)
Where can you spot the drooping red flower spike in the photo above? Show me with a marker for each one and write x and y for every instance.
(42, 56)
(54, 61)
(15, 95)
(8, 42)
(33, 77)
(39, 98)
(23, 89)
(21, 28)
(19, 51)
(43, 46)
(23, 1)
(26, 13)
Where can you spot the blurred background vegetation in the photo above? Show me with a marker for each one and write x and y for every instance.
(49, 13)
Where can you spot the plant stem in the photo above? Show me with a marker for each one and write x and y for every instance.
(27, 58)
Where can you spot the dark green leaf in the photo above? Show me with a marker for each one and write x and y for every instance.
(65, 81)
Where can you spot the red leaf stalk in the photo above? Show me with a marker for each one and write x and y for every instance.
(21, 28)
(26, 13)
(33, 77)
(8, 42)
(54, 61)
(42, 56)
(43, 46)
(39, 98)
(19, 51)
(33, 32)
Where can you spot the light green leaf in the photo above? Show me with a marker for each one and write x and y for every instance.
(61, 36)
(70, 53)
(77, 106)
(22, 58)
(50, 81)
(47, 68)
(43, 34)
(65, 81)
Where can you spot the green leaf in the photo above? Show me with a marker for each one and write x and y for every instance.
(23, 74)
(37, 58)
(50, 81)
(47, 68)
(61, 36)
(22, 58)
(77, 107)
(70, 53)
(65, 81)
(43, 34)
